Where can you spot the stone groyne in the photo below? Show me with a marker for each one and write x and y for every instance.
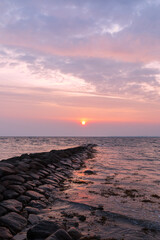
(28, 184)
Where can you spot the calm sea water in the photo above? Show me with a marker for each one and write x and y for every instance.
(125, 185)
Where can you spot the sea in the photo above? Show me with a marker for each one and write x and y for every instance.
(120, 199)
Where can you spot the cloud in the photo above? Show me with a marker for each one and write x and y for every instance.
(121, 30)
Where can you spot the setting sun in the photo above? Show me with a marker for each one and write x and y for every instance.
(83, 122)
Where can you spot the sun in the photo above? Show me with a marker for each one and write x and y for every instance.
(83, 122)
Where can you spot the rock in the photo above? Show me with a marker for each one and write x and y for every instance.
(34, 195)
(89, 172)
(18, 188)
(29, 185)
(2, 211)
(52, 237)
(6, 170)
(13, 221)
(47, 187)
(49, 181)
(42, 230)
(60, 176)
(6, 164)
(20, 236)
(82, 218)
(23, 166)
(24, 199)
(26, 176)
(32, 210)
(12, 205)
(2, 188)
(33, 219)
(45, 172)
(62, 235)
(10, 194)
(36, 182)
(74, 233)
(37, 204)
(14, 178)
(1, 197)
(6, 183)
(5, 233)
(34, 175)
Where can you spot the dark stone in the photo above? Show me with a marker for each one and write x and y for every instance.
(10, 194)
(44, 172)
(23, 166)
(6, 164)
(51, 166)
(12, 205)
(33, 219)
(37, 182)
(16, 178)
(53, 178)
(47, 187)
(6, 170)
(26, 177)
(18, 188)
(52, 237)
(29, 185)
(62, 235)
(61, 176)
(66, 164)
(37, 204)
(2, 188)
(82, 218)
(24, 199)
(34, 175)
(34, 195)
(49, 181)
(2, 211)
(5, 233)
(89, 172)
(32, 210)
(13, 221)
(42, 230)
(1, 197)
(6, 183)
(74, 233)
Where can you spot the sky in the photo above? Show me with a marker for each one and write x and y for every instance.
(62, 62)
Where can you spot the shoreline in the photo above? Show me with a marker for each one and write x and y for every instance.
(28, 184)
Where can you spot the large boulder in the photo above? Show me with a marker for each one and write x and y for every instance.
(42, 230)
